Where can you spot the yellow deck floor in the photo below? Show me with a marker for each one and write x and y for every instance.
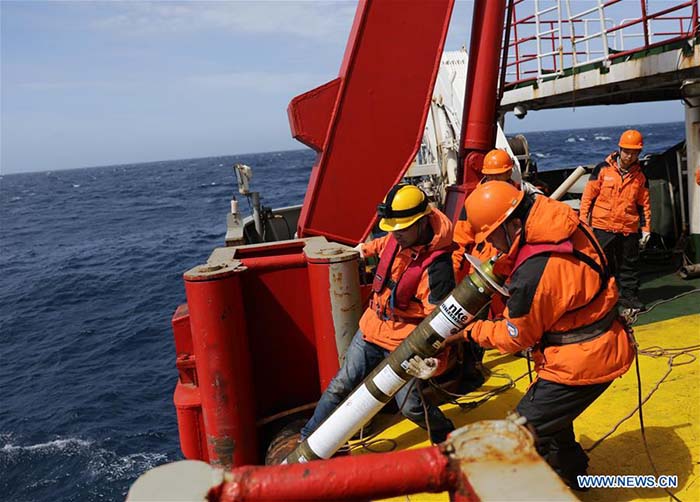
(672, 418)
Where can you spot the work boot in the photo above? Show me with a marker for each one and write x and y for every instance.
(440, 429)
(632, 302)
(438, 437)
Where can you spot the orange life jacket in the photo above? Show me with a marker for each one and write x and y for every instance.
(405, 290)
(387, 322)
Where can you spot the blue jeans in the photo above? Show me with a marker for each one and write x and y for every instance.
(360, 359)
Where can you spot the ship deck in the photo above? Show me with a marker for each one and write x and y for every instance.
(671, 415)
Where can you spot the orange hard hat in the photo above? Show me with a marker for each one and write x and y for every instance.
(497, 162)
(489, 206)
(631, 139)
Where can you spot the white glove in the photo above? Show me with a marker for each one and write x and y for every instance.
(358, 248)
(422, 368)
(644, 240)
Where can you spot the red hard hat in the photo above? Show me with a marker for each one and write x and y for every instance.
(489, 206)
(497, 162)
(631, 139)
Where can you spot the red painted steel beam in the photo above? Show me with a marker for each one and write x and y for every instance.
(646, 17)
(377, 117)
(479, 122)
(365, 477)
(310, 114)
(215, 300)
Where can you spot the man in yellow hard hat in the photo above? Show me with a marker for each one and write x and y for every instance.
(413, 276)
(616, 204)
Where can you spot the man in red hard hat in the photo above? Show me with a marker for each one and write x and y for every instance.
(616, 204)
(561, 305)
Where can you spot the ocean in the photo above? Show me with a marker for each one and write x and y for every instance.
(92, 262)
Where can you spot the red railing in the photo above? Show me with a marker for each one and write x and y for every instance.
(547, 37)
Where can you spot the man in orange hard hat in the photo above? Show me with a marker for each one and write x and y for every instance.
(498, 166)
(561, 305)
(414, 275)
(616, 204)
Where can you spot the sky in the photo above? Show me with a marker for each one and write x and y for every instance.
(102, 83)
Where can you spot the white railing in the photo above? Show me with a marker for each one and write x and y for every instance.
(552, 38)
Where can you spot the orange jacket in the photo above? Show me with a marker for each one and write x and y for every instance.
(436, 282)
(465, 243)
(558, 292)
(619, 203)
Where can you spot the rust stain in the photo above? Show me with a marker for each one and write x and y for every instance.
(224, 448)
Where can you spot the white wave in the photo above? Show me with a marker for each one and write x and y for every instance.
(76, 186)
(571, 140)
(107, 465)
(101, 463)
(15, 199)
(541, 155)
(213, 183)
(581, 139)
(56, 445)
(602, 138)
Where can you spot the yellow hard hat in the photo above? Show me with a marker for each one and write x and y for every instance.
(402, 207)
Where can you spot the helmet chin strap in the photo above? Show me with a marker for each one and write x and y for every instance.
(511, 241)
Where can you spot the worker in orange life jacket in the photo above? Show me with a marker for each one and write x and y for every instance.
(414, 275)
(616, 204)
(562, 305)
(498, 166)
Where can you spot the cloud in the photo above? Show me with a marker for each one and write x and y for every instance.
(265, 82)
(307, 19)
(71, 85)
(254, 81)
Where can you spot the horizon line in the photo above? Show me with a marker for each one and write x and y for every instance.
(302, 148)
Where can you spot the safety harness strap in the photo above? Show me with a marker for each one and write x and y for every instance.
(582, 334)
(403, 291)
(529, 250)
(383, 272)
